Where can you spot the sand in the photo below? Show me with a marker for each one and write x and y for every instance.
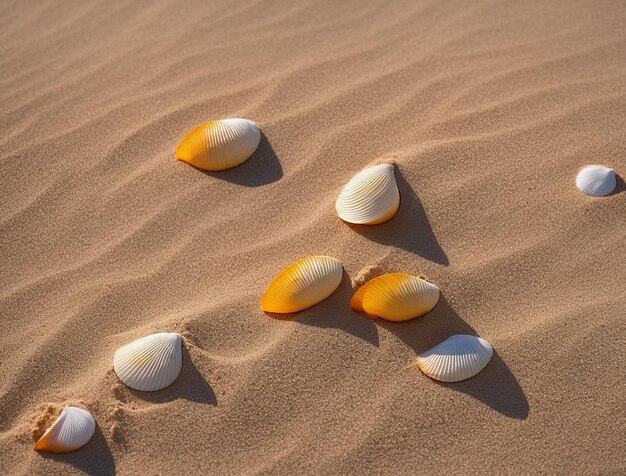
(489, 109)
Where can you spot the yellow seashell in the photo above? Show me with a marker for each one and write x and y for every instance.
(396, 297)
(303, 284)
(220, 145)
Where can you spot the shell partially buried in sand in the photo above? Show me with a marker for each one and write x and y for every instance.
(220, 145)
(596, 180)
(73, 429)
(303, 284)
(150, 363)
(457, 358)
(396, 297)
(371, 197)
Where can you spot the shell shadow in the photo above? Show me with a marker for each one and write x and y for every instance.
(334, 313)
(620, 187)
(409, 229)
(95, 458)
(190, 385)
(260, 169)
(495, 385)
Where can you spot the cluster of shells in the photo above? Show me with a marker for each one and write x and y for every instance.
(371, 197)
(394, 297)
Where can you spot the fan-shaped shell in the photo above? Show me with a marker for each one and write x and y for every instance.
(303, 284)
(371, 197)
(396, 297)
(150, 363)
(73, 429)
(220, 145)
(457, 358)
(596, 180)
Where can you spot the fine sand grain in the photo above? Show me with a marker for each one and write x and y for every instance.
(489, 109)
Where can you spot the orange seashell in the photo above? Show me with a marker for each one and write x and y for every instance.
(303, 284)
(220, 145)
(396, 297)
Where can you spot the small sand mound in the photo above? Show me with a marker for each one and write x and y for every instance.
(384, 160)
(45, 419)
(365, 275)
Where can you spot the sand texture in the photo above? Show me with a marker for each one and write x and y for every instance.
(489, 109)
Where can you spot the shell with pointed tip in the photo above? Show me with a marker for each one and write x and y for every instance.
(150, 363)
(220, 145)
(371, 197)
(457, 358)
(596, 180)
(305, 283)
(396, 297)
(73, 429)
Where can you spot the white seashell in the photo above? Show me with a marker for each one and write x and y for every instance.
(73, 429)
(371, 197)
(220, 145)
(457, 358)
(596, 180)
(150, 363)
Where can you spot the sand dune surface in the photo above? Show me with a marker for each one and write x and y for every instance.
(488, 108)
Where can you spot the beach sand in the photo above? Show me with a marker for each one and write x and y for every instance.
(489, 109)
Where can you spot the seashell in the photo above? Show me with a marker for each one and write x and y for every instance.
(220, 145)
(73, 429)
(395, 297)
(303, 284)
(150, 363)
(371, 197)
(457, 358)
(596, 180)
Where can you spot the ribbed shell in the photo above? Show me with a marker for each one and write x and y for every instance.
(73, 429)
(371, 197)
(150, 363)
(457, 358)
(303, 284)
(596, 180)
(220, 145)
(396, 297)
